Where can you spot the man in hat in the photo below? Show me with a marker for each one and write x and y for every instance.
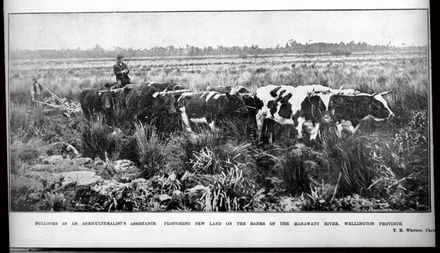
(37, 90)
(121, 71)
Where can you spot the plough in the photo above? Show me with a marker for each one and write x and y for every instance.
(66, 106)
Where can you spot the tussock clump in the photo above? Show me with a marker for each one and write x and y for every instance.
(149, 148)
(99, 140)
(410, 160)
(196, 142)
(19, 118)
(214, 159)
(26, 152)
(240, 128)
(352, 158)
(301, 167)
(156, 154)
(226, 191)
(294, 172)
(27, 121)
(221, 173)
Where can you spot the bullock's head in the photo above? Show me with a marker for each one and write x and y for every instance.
(252, 102)
(164, 102)
(236, 104)
(320, 103)
(238, 89)
(379, 107)
(314, 108)
(105, 97)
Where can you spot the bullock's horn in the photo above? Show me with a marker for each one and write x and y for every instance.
(234, 90)
(340, 88)
(385, 92)
(374, 94)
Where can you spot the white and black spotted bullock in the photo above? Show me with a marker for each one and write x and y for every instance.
(294, 106)
(209, 107)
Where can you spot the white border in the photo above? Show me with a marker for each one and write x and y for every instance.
(199, 5)
(25, 234)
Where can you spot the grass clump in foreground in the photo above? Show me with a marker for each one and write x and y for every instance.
(156, 154)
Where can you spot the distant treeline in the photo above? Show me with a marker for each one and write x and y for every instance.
(291, 47)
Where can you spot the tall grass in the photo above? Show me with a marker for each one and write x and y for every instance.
(400, 76)
(156, 154)
(99, 140)
(26, 152)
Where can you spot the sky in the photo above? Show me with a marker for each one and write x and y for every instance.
(262, 28)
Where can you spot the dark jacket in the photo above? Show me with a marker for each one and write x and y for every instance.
(117, 68)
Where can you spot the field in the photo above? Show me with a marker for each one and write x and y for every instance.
(384, 167)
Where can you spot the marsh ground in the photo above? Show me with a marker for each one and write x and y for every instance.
(384, 167)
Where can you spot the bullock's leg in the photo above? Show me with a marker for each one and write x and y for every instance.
(185, 119)
(86, 113)
(299, 127)
(270, 128)
(314, 132)
(353, 129)
(212, 126)
(260, 121)
(211, 122)
(346, 124)
(339, 129)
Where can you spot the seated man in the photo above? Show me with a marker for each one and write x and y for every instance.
(121, 71)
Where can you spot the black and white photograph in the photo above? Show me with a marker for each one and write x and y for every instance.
(220, 111)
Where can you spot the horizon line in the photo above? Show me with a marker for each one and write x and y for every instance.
(214, 46)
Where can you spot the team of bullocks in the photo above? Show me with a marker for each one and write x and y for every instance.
(306, 107)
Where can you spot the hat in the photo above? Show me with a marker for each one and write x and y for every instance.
(119, 56)
(35, 78)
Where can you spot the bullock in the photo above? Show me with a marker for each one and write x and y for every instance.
(95, 101)
(350, 110)
(171, 88)
(209, 108)
(147, 102)
(288, 105)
